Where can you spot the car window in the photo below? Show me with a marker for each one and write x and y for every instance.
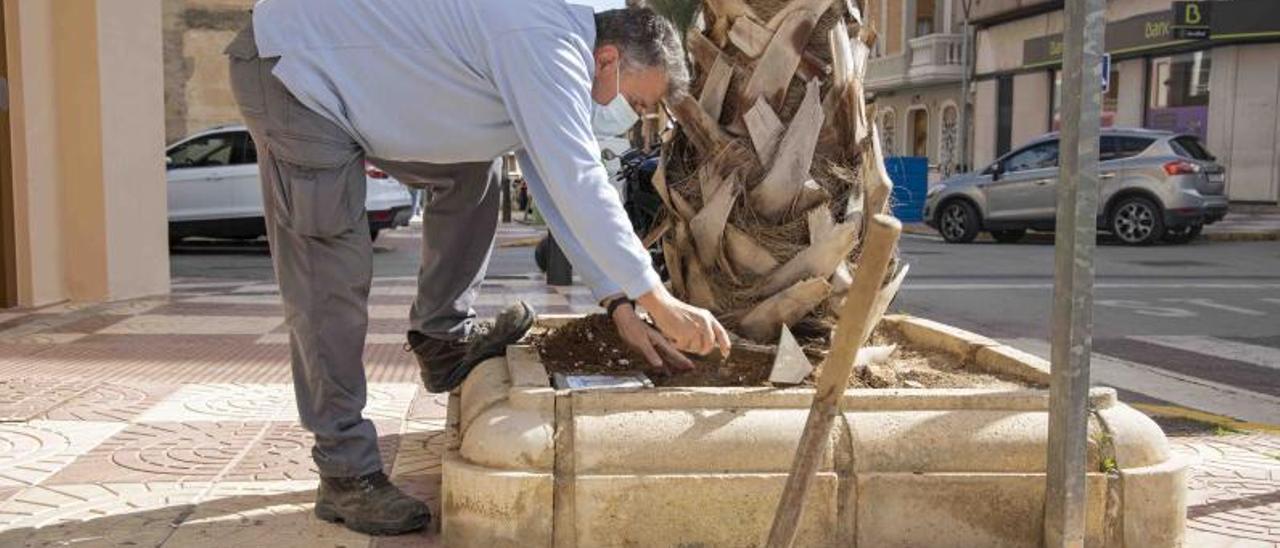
(208, 151)
(245, 151)
(1037, 156)
(1187, 146)
(1117, 148)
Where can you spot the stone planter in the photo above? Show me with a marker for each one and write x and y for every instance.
(530, 466)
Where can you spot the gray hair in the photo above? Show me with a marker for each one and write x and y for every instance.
(645, 40)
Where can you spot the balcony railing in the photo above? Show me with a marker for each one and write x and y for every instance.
(930, 59)
(936, 58)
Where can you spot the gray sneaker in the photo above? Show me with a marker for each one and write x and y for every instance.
(445, 364)
(371, 505)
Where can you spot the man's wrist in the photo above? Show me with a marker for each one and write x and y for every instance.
(619, 302)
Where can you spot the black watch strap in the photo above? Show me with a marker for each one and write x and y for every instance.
(614, 304)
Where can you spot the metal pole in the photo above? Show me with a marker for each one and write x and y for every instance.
(506, 199)
(1076, 237)
(963, 135)
(559, 270)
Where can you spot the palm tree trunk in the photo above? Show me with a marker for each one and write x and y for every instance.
(774, 168)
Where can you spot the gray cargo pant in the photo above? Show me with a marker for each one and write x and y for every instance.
(313, 190)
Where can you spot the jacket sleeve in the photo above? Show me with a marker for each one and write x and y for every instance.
(545, 82)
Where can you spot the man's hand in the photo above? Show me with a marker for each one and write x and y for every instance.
(644, 339)
(690, 328)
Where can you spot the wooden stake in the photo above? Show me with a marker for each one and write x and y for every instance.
(851, 333)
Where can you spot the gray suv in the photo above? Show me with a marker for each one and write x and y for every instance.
(1156, 185)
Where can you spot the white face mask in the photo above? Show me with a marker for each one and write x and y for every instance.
(616, 117)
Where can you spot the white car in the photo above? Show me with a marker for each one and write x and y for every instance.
(214, 189)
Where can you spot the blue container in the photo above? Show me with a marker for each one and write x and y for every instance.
(910, 176)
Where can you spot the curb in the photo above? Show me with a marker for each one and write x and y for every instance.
(985, 353)
(1265, 236)
(1241, 236)
(529, 241)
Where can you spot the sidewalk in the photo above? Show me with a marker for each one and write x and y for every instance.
(1249, 225)
(170, 421)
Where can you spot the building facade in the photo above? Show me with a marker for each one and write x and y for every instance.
(197, 94)
(82, 185)
(914, 77)
(1223, 87)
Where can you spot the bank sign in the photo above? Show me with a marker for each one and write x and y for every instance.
(1220, 21)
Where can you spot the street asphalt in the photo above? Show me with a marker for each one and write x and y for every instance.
(1177, 327)
(1188, 326)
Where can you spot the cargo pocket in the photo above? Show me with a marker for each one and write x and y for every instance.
(322, 186)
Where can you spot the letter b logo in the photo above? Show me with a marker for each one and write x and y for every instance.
(1192, 16)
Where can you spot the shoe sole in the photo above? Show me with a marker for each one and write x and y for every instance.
(329, 514)
(464, 371)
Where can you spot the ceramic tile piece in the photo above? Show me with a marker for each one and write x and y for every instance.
(261, 514)
(96, 514)
(33, 451)
(264, 402)
(194, 325)
(192, 451)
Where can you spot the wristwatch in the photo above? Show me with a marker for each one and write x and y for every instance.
(615, 303)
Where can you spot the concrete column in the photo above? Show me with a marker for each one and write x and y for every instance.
(1131, 101)
(984, 123)
(87, 107)
(1031, 96)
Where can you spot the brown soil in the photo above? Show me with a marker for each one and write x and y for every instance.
(591, 345)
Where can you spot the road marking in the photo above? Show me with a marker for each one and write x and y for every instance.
(982, 286)
(1184, 390)
(1209, 303)
(1223, 348)
(1141, 307)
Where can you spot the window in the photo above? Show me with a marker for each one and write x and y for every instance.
(1110, 100)
(1118, 148)
(1190, 147)
(1179, 98)
(208, 151)
(246, 153)
(1037, 156)
(924, 17)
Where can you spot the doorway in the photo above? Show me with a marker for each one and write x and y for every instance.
(919, 122)
(8, 264)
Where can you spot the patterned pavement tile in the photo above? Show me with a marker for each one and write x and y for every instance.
(249, 299)
(33, 451)
(1234, 489)
(110, 401)
(265, 402)
(394, 291)
(96, 515)
(91, 324)
(22, 398)
(421, 447)
(372, 338)
(284, 453)
(194, 325)
(196, 451)
(261, 514)
(8, 316)
(45, 337)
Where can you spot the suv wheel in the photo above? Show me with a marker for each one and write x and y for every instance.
(1009, 236)
(1137, 221)
(958, 222)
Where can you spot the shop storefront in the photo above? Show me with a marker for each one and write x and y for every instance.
(1222, 85)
